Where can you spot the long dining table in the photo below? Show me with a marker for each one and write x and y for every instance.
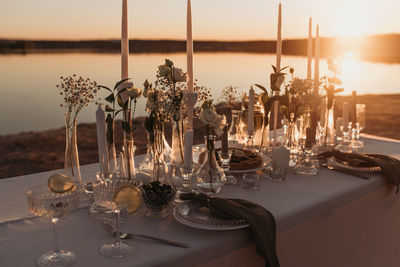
(333, 219)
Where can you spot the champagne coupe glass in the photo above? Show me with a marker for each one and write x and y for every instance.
(103, 196)
(43, 202)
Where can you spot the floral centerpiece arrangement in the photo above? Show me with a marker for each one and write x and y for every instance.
(78, 92)
(295, 102)
(208, 176)
(268, 99)
(156, 106)
(121, 102)
(331, 86)
(171, 81)
(157, 190)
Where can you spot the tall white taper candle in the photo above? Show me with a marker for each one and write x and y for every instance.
(316, 62)
(101, 142)
(278, 67)
(279, 39)
(189, 55)
(309, 49)
(124, 40)
(189, 47)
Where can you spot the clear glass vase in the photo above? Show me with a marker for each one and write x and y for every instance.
(154, 166)
(208, 176)
(259, 122)
(291, 137)
(329, 125)
(177, 142)
(127, 167)
(112, 155)
(71, 162)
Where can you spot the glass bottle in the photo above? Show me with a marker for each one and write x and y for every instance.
(233, 132)
(208, 176)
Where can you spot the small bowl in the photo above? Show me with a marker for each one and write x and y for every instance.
(157, 201)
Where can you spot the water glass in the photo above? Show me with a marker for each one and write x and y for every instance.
(251, 181)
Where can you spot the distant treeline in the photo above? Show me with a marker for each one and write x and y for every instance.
(385, 48)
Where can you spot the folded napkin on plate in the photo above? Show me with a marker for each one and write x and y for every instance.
(261, 221)
(389, 165)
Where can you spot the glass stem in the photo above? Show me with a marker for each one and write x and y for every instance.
(56, 245)
(117, 213)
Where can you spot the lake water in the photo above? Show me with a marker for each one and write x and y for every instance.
(29, 100)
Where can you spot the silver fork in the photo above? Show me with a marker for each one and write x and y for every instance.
(109, 229)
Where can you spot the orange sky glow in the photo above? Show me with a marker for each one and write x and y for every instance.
(212, 19)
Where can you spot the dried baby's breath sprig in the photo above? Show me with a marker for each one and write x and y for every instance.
(230, 96)
(78, 92)
(204, 95)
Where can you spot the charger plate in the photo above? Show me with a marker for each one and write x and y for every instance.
(359, 169)
(193, 215)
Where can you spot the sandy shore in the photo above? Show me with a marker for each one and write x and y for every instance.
(32, 152)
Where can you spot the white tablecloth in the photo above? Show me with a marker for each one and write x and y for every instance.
(318, 218)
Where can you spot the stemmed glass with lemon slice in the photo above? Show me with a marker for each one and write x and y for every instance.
(53, 200)
(117, 194)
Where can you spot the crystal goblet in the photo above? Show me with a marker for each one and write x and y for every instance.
(103, 196)
(43, 202)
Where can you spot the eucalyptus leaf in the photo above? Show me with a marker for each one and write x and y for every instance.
(120, 101)
(116, 113)
(109, 108)
(261, 87)
(104, 87)
(110, 98)
(120, 82)
(121, 91)
(283, 68)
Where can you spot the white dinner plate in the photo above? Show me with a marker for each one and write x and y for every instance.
(193, 215)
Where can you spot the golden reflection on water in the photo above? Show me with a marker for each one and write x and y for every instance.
(29, 99)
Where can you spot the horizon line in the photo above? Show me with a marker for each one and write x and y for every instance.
(198, 40)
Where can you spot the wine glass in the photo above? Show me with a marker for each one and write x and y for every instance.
(225, 158)
(103, 196)
(43, 202)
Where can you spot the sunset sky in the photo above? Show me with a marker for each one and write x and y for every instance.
(212, 19)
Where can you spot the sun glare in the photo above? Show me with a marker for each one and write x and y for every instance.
(350, 71)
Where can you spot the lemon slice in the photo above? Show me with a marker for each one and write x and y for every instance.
(128, 195)
(60, 183)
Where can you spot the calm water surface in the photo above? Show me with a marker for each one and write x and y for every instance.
(30, 101)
